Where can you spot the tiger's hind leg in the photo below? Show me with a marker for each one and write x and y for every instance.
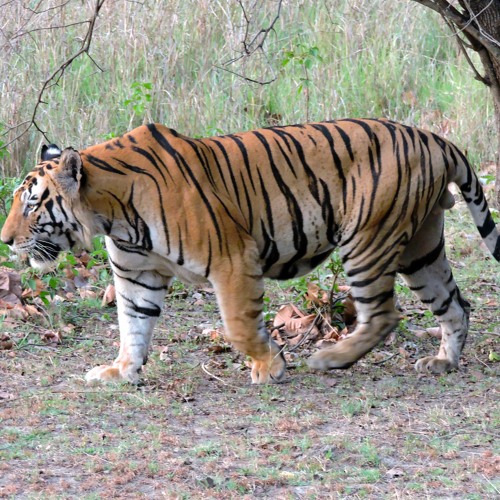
(240, 292)
(372, 288)
(428, 274)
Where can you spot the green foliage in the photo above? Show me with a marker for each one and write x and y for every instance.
(7, 186)
(305, 57)
(139, 98)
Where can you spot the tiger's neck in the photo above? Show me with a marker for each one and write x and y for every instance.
(108, 204)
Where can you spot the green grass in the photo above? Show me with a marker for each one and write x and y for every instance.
(375, 58)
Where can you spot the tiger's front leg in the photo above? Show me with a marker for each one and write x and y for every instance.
(139, 298)
(240, 290)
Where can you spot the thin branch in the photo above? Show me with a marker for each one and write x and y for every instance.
(49, 28)
(464, 24)
(55, 7)
(461, 46)
(246, 78)
(256, 43)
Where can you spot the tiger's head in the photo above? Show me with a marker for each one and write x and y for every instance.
(44, 217)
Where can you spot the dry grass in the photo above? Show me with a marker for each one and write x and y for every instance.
(376, 58)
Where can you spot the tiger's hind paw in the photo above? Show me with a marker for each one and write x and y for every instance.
(326, 359)
(111, 373)
(433, 364)
(269, 370)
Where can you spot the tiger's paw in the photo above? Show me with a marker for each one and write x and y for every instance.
(433, 364)
(343, 354)
(327, 358)
(111, 373)
(268, 371)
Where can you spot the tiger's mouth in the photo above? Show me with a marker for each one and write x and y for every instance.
(44, 253)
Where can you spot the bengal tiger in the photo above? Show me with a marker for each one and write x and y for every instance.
(273, 202)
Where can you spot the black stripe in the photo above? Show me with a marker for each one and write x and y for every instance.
(162, 141)
(488, 227)
(244, 154)
(445, 305)
(103, 165)
(426, 260)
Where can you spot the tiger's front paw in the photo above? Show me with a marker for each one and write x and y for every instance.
(111, 373)
(268, 371)
(433, 364)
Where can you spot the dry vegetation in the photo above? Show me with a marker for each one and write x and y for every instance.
(361, 58)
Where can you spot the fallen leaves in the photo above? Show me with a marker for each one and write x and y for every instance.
(323, 319)
(24, 298)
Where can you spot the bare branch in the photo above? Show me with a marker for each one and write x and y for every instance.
(461, 46)
(48, 28)
(259, 39)
(246, 78)
(56, 76)
(464, 24)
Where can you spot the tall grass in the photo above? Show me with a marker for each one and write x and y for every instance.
(371, 58)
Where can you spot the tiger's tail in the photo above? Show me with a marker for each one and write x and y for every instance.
(473, 194)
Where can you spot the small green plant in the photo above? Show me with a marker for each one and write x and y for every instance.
(139, 98)
(351, 408)
(305, 57)
(370, 453)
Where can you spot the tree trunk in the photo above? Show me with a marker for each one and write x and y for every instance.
(479, 22)
(487, 20)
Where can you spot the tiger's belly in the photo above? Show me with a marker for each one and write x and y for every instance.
(292, 268)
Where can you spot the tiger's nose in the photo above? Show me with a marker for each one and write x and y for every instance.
(7, 238)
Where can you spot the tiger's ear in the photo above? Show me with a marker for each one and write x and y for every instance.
(68, 174)
(50, 152)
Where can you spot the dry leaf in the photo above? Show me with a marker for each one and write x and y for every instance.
(434, 331)
(316, 295)
(212, 333)
(395, 472)
(349, 313)
(109, 296)
(5, 342)
(87, 294)
(10, 286)
(52, 337)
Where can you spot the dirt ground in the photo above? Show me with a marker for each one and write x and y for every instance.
(197, 428)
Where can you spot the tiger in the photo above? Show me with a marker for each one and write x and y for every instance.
(274, 203)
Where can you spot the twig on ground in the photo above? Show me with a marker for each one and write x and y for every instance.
(210, 374)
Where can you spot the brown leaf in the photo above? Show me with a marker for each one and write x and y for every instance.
(212, 333)
(434, 331)
(52, 337)
(39, 287)
(292, 321)
(395, 472)
(5, 342)
(109, 296)
(316, 295)
(349, 313)
(87, 294)
(404, 353)
(16, 312)
(32, 310)
(10, 286)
